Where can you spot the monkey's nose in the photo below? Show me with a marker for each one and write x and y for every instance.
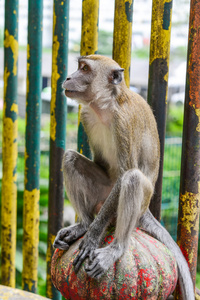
(63, 85)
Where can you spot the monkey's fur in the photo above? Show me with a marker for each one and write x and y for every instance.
(118, 184)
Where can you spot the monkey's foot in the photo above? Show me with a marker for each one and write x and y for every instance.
(102, 259)
(66, 236)
(87, 246)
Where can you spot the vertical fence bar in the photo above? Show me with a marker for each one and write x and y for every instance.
(123, 35)
(158, 81)
(57, 130)
(189, 202)
(32, 151)
(10, 112)
(89, 45)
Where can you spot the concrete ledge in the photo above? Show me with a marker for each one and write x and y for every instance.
(7, 293)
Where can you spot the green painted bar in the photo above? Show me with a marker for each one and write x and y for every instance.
(57, 130)
(189, 201)
(89, 45)
(158, 81)
(9, 149)
(32, 151)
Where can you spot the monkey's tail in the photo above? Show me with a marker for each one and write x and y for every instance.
(153, 227)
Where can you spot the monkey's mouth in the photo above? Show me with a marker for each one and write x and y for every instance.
(67, 92)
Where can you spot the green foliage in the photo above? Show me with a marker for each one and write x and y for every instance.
(174, 123)
(105, 42)
(142, 53)
(178, 53)
(1, 37)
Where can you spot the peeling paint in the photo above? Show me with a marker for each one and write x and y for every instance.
(190, 210)
(197, 111)
(9, 146)
(90, 20)
(193, 75)
(11, 42)
(123, 36)
(14, 108)
(32, 150)
(55, 77)
(6, 75)
(30, 238)
(158, 81)
(57, 130)
(129, 10)
(189, 205)
(89, 45)
(160, 37)
(9, 200)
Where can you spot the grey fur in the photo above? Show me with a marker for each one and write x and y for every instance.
(118, 184)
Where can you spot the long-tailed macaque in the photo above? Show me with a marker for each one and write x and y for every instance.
(118, 184)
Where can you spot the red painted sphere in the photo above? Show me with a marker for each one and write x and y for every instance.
(147, 270)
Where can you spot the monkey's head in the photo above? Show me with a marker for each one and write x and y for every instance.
(98, 79)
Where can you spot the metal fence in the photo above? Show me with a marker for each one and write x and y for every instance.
(157, 96)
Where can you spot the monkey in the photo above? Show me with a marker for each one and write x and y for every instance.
(118, 183)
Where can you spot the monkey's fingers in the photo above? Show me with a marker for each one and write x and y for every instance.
(94, 269)
(90, 265)
(80, 258)
(60, 245)
(96, 274)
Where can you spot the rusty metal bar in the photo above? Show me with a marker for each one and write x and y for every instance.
(122, 36)
(32, 151)
(10, 113)
(189, 202)
(158, 82)
(57, 130)
(89, 45)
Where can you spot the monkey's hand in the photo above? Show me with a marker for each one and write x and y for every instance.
(102, 259)
(66, 236)
(87, 246)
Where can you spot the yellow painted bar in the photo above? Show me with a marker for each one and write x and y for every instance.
(161, 32)
(123, 35)
(89, 33)
(10, 113)
(30, 239)
(189, 200)
(32, 151)
(57, 131)
(158, 82)
(89, 45)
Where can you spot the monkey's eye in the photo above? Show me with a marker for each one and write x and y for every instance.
(85, 68)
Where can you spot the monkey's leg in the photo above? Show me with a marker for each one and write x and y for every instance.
(87, 187)
(136, 191)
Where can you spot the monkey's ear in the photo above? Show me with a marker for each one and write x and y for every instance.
(116, 76)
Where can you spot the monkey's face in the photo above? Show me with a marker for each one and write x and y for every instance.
(97, 78)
